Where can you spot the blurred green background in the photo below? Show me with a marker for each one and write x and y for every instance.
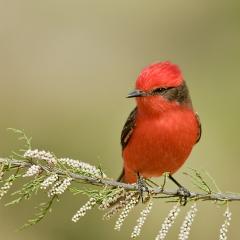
(66, 67)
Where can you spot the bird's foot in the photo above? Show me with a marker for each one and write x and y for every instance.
(142, 186)
(183, 195)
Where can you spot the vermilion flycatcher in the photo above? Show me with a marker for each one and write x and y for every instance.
(161, 131)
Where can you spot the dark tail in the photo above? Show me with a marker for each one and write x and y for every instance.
(120, 178)
(127, 177)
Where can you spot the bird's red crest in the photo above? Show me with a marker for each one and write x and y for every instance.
(162, 74)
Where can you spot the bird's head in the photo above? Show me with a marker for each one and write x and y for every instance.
(160, 86)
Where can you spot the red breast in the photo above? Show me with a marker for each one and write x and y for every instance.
(160, 143)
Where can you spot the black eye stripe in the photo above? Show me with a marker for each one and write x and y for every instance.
(179, 94)
(159, 90)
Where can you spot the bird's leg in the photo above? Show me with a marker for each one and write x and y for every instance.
(182, 191)
(174, 180)
(142, 186)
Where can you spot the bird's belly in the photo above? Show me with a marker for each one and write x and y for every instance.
(160, 145)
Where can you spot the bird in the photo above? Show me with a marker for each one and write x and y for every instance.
(162, 129)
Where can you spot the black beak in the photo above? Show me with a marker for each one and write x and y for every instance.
(135, 93)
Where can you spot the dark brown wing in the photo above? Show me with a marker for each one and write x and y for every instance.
(128, 128)
(199, 128)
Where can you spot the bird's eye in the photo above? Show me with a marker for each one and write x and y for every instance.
(159, 90)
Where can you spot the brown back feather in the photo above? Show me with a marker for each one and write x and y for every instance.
(128, 128)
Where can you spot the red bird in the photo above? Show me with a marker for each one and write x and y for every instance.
(161, 131)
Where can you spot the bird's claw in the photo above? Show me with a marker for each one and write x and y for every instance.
(142, 186)
(183, 194)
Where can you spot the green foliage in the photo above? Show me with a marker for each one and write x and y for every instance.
(198, 180)
(24, 139)
(43, 209)
(27, 190)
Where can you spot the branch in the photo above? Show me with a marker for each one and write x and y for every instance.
(222, 197)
